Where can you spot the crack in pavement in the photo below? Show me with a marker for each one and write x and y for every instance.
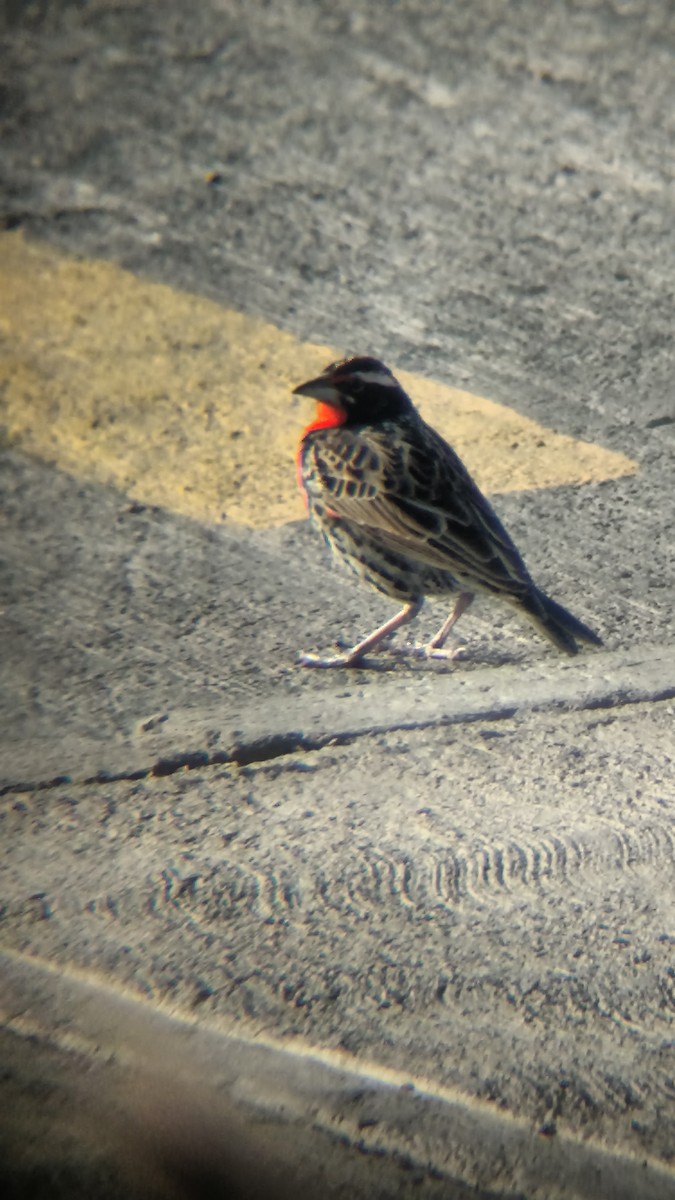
(612, 680)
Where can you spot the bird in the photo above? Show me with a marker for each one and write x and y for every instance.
(399, 509)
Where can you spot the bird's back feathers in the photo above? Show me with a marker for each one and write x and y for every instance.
(410, 491)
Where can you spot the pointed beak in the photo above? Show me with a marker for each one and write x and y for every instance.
(319, 389)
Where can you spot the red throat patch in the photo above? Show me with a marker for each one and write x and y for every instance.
(327, 416)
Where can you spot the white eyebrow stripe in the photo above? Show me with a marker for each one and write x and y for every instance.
(377, 377)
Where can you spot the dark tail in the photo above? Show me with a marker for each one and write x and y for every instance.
(556, 623)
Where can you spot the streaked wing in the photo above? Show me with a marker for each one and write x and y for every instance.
(415, 497)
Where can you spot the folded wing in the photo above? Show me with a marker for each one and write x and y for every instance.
(415, 497)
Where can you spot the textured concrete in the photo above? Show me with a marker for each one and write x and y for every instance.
(485, 200)
(185, 404)
(470, 889)
(135, 1102)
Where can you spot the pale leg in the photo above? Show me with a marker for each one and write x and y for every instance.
(354, 656)
(462, 603)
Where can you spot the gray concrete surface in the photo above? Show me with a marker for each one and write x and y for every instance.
(154, 1105)
(480, 903)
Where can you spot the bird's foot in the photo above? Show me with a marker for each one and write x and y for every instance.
(428, 650)
(337, 660)
(443, 652)
(353, 656)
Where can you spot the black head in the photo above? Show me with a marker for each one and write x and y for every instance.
(363, 389)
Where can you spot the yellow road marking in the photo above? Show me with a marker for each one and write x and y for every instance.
(182, 403)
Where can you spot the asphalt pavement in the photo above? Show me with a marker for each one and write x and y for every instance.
(400, 930)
